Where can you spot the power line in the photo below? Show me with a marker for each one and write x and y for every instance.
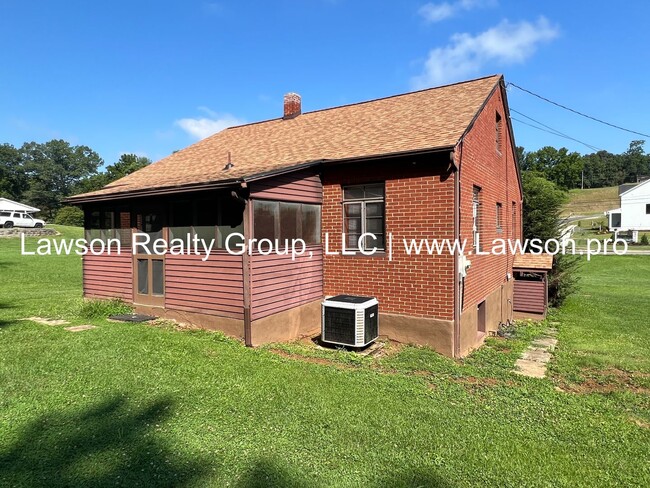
(555, 131)
(577, 112)
(550, 130)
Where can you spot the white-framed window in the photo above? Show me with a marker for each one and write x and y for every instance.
(364, 212)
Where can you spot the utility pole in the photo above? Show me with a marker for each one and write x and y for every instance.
(582, 186)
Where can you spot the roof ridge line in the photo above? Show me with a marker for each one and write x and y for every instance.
(432, 88)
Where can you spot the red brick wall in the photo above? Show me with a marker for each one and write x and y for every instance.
(419, 204)
(495, 173)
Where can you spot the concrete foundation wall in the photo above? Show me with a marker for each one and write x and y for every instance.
(287, 325)
(498, 311)
(436, 333)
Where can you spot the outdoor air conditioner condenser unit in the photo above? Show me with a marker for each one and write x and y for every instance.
(350, 320)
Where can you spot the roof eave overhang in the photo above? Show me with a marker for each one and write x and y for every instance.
(149, 192)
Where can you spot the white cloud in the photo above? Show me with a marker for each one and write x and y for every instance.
(466, 55)
(202, 127)
(435, 12)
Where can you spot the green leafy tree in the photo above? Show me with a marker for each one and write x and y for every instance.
(635, 162)
(13, 181)
(127, 164)
(521, 155)
(560, 166)
(53, 169)
(543, 202)
(600, 169)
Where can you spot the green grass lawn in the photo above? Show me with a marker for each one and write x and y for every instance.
(142, 405)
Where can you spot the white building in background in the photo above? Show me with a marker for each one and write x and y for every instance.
(7, 205)
(634, 213)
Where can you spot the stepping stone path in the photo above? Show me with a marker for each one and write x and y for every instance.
(44, 321)
(533, 360)
(75, 328)
(79, 328)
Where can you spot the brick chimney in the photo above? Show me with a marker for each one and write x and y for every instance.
(292, 106)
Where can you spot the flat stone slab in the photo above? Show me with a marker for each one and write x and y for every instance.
(533, 360)
(538, 355)
(533, 369)
(79, 328)
(547, 343)
(45, 321)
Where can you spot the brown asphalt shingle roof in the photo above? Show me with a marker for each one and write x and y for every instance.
(427, 119)
(533, 261)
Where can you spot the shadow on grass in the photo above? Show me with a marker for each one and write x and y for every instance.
(4, 321)
(411, 478)
(112, 444)
(269, 473)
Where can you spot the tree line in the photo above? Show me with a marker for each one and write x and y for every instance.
(596, 170)
(43, 174)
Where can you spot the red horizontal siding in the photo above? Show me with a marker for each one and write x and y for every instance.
(279, 284)
(302, 186)
(213, 287)
(108, 276)
(530, 296)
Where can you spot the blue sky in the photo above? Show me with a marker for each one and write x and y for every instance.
(151, 77)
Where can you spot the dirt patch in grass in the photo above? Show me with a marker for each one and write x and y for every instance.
(478, 386)
(640, 423)
(174, 324)
(473, 380)
(310, 359)
(474, 384)
(609, 380)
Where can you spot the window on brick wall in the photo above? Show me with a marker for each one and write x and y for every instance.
(364, 212)
(498, 131)
(514, 219)
(476, 214)
(499, 213)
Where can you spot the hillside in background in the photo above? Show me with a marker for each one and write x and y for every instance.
(591, 201)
